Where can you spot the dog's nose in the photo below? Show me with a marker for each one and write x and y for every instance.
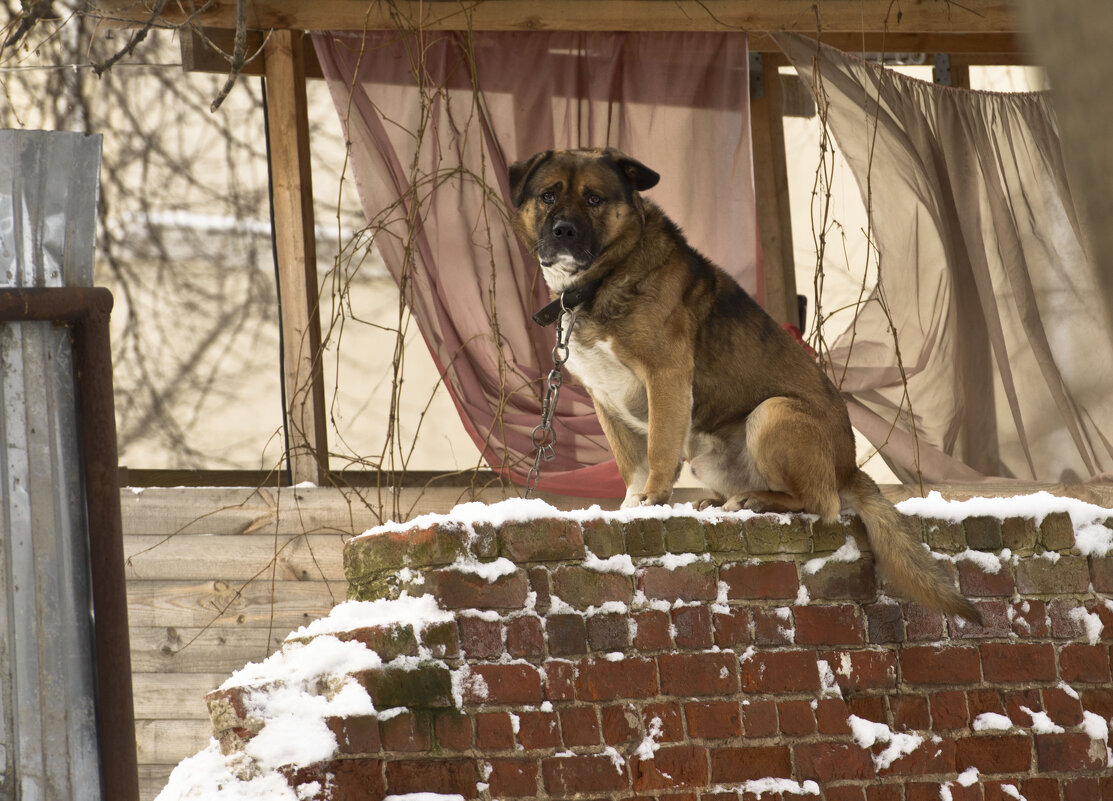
(565, 229)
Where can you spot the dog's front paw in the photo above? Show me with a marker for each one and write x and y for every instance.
(634, 499)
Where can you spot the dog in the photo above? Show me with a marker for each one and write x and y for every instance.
(681, 363)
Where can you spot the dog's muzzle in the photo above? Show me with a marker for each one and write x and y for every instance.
(565, 242)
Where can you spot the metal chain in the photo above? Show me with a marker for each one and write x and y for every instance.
(544, 438)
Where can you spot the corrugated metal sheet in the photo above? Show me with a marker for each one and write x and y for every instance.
(48, 747)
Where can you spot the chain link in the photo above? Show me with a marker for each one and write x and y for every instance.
(544, 438)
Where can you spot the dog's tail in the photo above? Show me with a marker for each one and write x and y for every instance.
(901, 557)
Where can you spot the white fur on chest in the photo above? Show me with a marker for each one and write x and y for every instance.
(612, 384)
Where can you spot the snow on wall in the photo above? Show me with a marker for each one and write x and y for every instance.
(514, 651)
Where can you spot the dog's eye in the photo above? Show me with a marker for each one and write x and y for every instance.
(593, 199)
(548, 197)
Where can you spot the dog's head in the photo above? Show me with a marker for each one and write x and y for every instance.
(573, 207)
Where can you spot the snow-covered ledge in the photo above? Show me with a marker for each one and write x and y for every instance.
(515, 651)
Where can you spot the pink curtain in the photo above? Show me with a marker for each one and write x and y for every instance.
(435, 120)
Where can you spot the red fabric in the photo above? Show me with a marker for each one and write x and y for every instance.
(430, 156)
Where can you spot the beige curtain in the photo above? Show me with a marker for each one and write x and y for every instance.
(996, 305)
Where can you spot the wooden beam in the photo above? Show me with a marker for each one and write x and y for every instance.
(771, 193)
(804, 16)
(292, 191)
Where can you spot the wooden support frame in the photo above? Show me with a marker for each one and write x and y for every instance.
(296, 252)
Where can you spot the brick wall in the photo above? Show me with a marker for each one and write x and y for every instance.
(691, 659)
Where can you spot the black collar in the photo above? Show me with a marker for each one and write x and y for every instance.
(566, 301)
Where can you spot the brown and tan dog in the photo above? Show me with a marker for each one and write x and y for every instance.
(682, 363)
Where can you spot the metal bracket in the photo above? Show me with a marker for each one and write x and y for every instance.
(942, 71)
(757, 76)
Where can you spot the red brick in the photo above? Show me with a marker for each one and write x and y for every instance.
(694, 582)
(742, 764)
(1101, 573)
(826, 762)
(845, 792)
(608, 632)
(479, 638)
(1015, 702)
(774, 626)
(884, 623)
(929, 758)
(692, 626)
(540, 583)
(1064, 625)
(581, 588)
(910, 712)
(587, 773)
(512, 778)
(886, 792)
(444, 776)
(493, 731)
(759, 718)
(664, 718)
(670, 767)
(407, 732)
(651, 631)
(869, 707)
(1008, 662)
(566, 634)
(731, 628)
(763, 580)
(995, 622)
(621, 724)
(780, 671)
(995, 754)
(1030, 618)
(929, 664)
(858, 671)
(975, 583)
(579, 725)
(706, 673)
(1084, 663)
(1099, 701)
(604, 680)
(453, 731)
(837, 581)
(713, 719)
(1042, 789)
(525, 636)
(542, 540)
(831, 715)
(456, 589)
(982, 701)
(1081, 789)
(1069, 752)
(929, 791)
(796, 718)
(358, 734)
(560, 680)
(829, 625)
(510, 684)
(921, 624)
(342, 779)
(1062, 707)
(538, 729)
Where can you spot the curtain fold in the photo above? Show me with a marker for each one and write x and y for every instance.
(996, 306)
(435, 119)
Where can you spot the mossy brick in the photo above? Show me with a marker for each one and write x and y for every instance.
(777, 534)
(422, 687)
(1057, 532)
(1040, 576)
(884, 623)
(542, 540)
(839, 580)
(692, 582)
(387, 641)
(366, 557)
(645, 536)
(582, 588)
(603, 537)
(1101, 573)
(828, 537)
(684, 535)
(725, 535)
(442, 639)
(484, 542)
(1018, 534)
(943, 535)
(983, 533)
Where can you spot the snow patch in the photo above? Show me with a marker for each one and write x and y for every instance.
(847, 552)
(991, 721)
(1089, 621)
(867, 733)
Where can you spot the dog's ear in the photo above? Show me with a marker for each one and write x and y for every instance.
(640, 176)
(520, 172)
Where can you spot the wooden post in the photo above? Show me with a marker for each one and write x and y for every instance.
(771, 193)
(292, 189)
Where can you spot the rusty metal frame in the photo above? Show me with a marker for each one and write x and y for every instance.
(86, 311)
